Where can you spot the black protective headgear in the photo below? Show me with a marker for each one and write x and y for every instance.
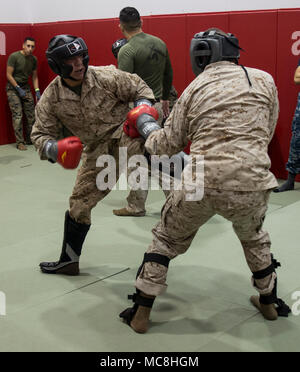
(210, 46)
(117, 45)
(62, 47)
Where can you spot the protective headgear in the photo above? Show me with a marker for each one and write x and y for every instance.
(211, 46)
(62, 47)
(117, 45)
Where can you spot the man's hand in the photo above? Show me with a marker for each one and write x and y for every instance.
(21, 92)
(67, 152)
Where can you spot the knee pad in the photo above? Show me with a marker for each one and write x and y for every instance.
(281, 307)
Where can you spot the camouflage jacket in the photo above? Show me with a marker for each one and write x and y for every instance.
(229, 123)
(95, 116)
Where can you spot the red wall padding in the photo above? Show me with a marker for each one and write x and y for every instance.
(266, 37)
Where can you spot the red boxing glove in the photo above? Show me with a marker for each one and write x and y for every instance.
(130, 130)
(187, 149)
(69, 152)
(129, 126)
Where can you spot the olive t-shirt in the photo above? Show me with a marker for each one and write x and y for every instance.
(23, 66)
(147, 56)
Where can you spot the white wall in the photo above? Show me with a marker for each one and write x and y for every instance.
(35, 11)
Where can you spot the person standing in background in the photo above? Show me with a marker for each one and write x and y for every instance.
(293, 164)
(20, 66)
(148, 57)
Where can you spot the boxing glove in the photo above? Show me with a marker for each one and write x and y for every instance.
(67, 152)
(187, 149)
(130, 130)
(21, 92)
(145, 112)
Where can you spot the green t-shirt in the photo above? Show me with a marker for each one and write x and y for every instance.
(23, 66)
(147, 56)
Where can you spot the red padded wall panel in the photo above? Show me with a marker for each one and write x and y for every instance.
(259, 41)
(287, 60)
(14, 35)
(260, 51)
(201, 22)
(164, 28)
(99, 36)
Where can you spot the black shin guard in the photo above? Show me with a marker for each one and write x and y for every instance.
(281, 307)
(137, 298)
(74, 236)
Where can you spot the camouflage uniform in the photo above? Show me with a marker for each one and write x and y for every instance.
(231, 124)
(17, 104)
(293, 164)
(96, 117)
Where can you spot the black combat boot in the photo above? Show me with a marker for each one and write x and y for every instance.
(68, 264)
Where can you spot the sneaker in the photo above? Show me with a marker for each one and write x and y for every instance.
(60, 268)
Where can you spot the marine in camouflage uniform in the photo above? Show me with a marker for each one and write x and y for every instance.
(17, 105)
(92, 103)
(293, 164)
(20, 66)
(230, 124)
(237, 180)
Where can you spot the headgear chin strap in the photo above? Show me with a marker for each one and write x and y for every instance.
(62, 47)
(210, 46)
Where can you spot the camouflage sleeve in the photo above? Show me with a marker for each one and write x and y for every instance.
(47, 126)
(274, 112)
(173, 138)
(130, 87)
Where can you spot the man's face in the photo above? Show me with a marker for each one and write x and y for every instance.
(28, 47)
(78, 67)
